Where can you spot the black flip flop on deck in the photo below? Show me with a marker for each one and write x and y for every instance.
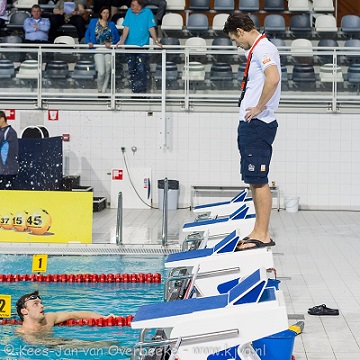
(258, 244)
(322, 310)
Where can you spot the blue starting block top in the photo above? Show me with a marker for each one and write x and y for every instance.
(238, 198)
(249, 290)
(226, 245)
(239, 214)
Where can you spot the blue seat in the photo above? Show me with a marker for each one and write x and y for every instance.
(353, 76)
(300, 25)
(84, 70)
(350, 25)
(7, 70)
(16, 20)
(352, 43)
(221, 75)
(224, 5)
(249, 5)
(327, 44)
(225, 42)
(280, 43)
(199, 5)
(197, 24)
(304, 77)
(274, 25)
(57, 69)
(255, 20)
(171, 76)
(170, 41)
(274, 5)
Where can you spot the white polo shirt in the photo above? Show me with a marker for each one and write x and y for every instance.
(264, 54)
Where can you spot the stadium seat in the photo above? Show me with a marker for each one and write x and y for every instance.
(329, 73)
(355, 45)
(198, 48)
(249, 5)
(65, 39)
(226, 44)
(353, 76)
(199, 5)
(175, 5)
(219, 22)
(350, 25)
(57, 69)
(172, 23)
(302, 51)
(274, 5)
(280, 43)
(7, 70)
(325, 25)
(224, 5)
(28, 73)
(170, 41)
(303, 77)
(323, 5)
(197, 24)
(328, 45)
(195, 75)
(298, 5)
(274, 25)
(14, 54)
(84, 70)
(171, 76)
(16, 20)
(255, 20)
(284, 78)
(300, 25)
(221, 75)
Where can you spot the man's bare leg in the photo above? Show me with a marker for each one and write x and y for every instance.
(262, 198)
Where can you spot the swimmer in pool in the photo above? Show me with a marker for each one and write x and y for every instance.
(35, 321)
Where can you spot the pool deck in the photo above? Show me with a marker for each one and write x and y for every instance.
(317, 257)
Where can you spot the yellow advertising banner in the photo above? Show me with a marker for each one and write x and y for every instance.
(46, 216)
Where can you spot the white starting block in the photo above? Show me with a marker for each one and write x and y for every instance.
(220, 267)
(239, 219)
(202, 327)
(226, 208)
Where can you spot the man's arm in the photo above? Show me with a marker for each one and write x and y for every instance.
(154, 36)
(58, 317)
(272, 78)
(124, 35)
(44, 25)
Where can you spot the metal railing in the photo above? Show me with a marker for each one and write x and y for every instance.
(185, 93)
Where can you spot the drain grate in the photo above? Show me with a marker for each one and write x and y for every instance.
(86, 249)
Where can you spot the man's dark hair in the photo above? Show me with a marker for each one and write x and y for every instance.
(36, 6)
(238, 21)
(3, 115)
(21, 303)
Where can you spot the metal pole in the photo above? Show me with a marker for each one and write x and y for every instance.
(165, 213)
(119, 220)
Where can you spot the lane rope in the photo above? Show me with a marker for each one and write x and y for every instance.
(101, 322)
(83, 278)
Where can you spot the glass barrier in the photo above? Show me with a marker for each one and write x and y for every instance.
(174, 75)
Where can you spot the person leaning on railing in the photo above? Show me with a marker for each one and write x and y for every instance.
(103, 32)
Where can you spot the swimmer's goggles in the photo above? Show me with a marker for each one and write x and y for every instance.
(32, 297)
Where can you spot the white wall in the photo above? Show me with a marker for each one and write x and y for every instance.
(316, 156)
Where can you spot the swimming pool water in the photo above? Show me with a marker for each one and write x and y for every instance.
(120, 299)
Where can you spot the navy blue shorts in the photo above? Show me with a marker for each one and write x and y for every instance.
(255, 140)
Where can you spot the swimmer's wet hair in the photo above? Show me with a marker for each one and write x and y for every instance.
(21, 302)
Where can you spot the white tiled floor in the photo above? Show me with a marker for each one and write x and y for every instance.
(317, 257)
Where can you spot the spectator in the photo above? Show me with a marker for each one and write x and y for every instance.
(36, 28)
(161, 4)
(139, 24)
(67, 12)
(3, 13)
(103, 32)
(9, 149)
